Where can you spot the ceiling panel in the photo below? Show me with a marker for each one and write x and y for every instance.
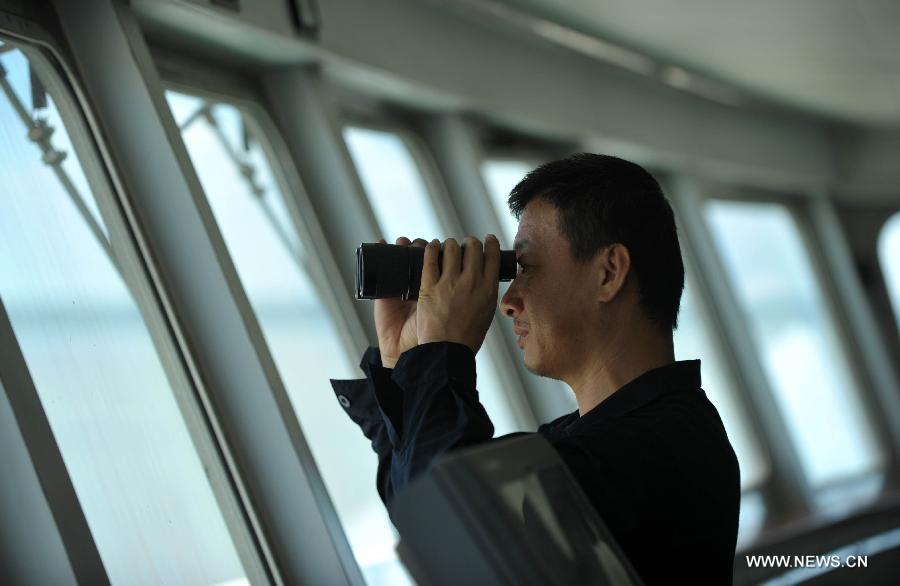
(838, 58)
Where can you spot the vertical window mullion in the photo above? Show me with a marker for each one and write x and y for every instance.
(82, 555)
(273, 263)
(854, 319)
(441, 175)
(458, 159)
(787, 493)
(304, 114)
(398, 188)
(792, 324)
(322, 266)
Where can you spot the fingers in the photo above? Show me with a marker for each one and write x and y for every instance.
(473, 259)
(452, 255)
(404, 241)
(430, 272)
(483, 264)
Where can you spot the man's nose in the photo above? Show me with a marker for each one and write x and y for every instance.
(510, 303)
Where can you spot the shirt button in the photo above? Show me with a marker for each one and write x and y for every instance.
(344, 401)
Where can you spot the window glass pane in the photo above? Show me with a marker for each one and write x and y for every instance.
(500, 176)
(125, 444)
(693, 339)
(752, 517)
(889, 255)
(401, 204)
(253, 216)
(797, 342)
(394, 185)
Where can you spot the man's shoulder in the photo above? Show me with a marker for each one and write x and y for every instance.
(670, 422)
(557, 427)
(670, 431)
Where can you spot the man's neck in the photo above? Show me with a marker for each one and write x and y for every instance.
(618, 363)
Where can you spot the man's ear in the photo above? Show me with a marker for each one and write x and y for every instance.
(614, 264)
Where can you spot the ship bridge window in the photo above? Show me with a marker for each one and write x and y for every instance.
(500, 176)
(796, 338)
(135, 465)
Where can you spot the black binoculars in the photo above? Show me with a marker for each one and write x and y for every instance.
(393, 270)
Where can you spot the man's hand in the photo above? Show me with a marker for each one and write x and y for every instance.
(395, 320)
(458, 303)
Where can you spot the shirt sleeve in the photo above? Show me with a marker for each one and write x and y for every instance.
(360, 400)
(440, 408)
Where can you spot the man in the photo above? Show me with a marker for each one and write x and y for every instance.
(594, 305)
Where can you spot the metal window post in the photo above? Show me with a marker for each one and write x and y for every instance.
(349, 317)
(312, 134)
(297, 529)
(55, 484)
(787, 494)
(458, 157)
(858, 323)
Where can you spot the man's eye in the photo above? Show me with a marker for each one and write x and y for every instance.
(523, 267)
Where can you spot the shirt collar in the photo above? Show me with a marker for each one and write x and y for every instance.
(682, 375)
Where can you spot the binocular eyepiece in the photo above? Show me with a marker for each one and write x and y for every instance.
(393, 270)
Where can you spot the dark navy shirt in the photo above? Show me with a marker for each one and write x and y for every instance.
(653, 457)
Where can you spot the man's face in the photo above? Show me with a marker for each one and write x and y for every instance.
(550, 298)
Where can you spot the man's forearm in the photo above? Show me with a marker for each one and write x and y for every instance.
(440, 410)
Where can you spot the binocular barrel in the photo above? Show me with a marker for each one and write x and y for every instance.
(393, 270)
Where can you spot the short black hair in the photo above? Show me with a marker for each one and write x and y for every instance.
(603, 200)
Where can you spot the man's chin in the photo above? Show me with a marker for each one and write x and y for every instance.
(532, 366)
(539, 369)
(528, 365)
